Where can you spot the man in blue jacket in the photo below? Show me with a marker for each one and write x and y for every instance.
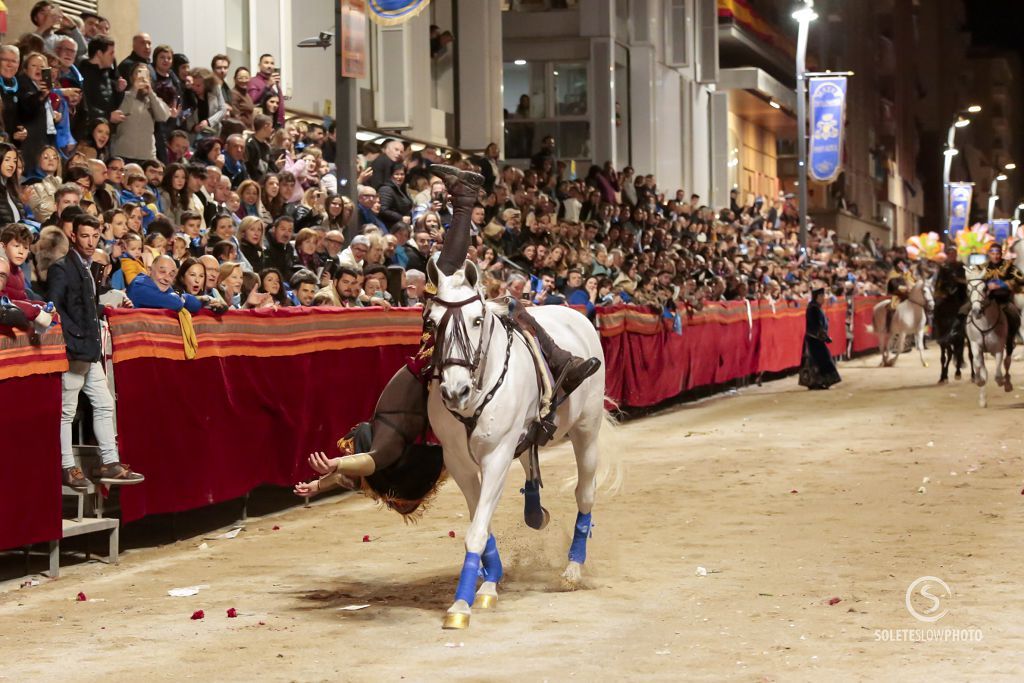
(73, 292)
(156, 290)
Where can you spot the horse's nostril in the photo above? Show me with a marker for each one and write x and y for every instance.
(464, 392)
(444, 393)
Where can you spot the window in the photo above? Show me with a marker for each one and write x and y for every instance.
(677, 27)
(570, 89)
(76, 7)
(546, 98)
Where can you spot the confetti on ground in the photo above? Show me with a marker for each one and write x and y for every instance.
(352, 608)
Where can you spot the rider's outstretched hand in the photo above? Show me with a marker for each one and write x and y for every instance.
(320, 463)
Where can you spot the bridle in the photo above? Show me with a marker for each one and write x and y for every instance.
(973, 284)
(470, 359)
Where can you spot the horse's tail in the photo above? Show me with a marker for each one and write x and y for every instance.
(611, 444)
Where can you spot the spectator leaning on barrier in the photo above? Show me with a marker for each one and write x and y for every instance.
(73, 292)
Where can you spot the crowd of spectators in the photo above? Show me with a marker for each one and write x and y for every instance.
(182, 187)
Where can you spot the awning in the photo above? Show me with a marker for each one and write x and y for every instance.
(751, 90)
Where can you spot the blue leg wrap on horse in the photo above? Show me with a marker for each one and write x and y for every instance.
(467, 580)
(578, 549)
(492, 562)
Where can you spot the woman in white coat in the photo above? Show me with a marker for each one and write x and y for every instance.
(133, 141)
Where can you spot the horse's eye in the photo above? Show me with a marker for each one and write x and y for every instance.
(478, 321)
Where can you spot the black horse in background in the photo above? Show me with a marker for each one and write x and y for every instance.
(949, 320)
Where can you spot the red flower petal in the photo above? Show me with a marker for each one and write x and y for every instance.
(198, 614)
(366, 538)
(794, 491)
(81, 597)
(451, 534)
(276, 527)
(232, 613)
(835, 601)
(263, 623)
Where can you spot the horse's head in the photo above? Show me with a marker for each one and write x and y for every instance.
(975, 287)
(458, 314)
(921, 293)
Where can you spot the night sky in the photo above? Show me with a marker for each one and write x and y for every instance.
(996, 24)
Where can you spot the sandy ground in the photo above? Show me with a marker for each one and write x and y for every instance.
(787, 498)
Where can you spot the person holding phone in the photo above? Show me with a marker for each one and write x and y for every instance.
(35, 108)
(268, 78)
(134, 140)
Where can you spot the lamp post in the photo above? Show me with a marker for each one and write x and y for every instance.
(804, 16)
(951, 151)
(993, 197)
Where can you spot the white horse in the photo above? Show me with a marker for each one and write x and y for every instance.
(987, 328)
(910, 317)
(485, 399)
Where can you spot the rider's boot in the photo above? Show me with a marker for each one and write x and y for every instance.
(464, 189)
(576, 370)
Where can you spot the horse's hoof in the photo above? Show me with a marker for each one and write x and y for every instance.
(485, 601)
(573, 575)
(943, 380)
(1008, 386)
(538, 520)
(958, 376)
(455, 620)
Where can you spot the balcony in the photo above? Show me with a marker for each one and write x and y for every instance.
(745, 38)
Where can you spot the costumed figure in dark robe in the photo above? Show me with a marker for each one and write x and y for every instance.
(391, 454)
(817, 369)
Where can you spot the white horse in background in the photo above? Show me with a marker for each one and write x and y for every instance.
(486, 397)
(1017, 250)
(910, 317)
(987, 328)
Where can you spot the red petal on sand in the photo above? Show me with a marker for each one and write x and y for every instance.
(276, 528)
(366, 538)
(794, 491)
(232, 613)
(81, 597)
(835, 601)
(198, 614)
(451, 534)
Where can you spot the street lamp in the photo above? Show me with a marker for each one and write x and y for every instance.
(804, 16)
(993, 197)
(951, 151)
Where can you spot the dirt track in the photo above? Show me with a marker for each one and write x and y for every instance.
(788, 498)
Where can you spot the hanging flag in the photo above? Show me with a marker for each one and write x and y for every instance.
(392, 12)
(959, 207)
(828, 109)
(1001, 229)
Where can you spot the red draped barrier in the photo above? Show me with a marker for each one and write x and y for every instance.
(265, 390)
(863, 311)
(30, 425)
(646, 362)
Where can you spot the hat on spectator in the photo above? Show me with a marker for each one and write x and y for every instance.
(360, 239)
(509, 214)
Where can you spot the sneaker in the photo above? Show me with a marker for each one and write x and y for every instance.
(72, 477)
(117, 473)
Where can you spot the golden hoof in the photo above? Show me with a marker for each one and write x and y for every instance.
(485, 601)
(455, 620)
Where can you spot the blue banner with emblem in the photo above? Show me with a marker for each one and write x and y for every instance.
(828, 109)
(1001, 229)
(391, 12)
(959, 207)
